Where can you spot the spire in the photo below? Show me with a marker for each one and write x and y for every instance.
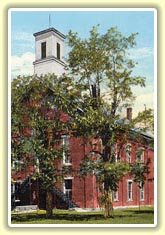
(49, 21)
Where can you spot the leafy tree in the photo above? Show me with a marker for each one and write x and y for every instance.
(38, 103)
(98, 62)
(37, 121)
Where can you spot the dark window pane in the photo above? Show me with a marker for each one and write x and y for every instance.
(68, 184)
(58, 51)
(43, 50)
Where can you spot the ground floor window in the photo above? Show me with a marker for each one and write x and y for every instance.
(115, 196)
(68, 188)
(129, 190)
(12, 188)
(141, 192)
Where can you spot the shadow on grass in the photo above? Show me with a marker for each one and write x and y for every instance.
(120, 216)
(141, 211)
(23, 218)
(69, 217)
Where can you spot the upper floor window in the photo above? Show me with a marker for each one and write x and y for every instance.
(128, 153)
(65, 149)
(58, 51)
(114, 153)
(140, 155)
(43, 50)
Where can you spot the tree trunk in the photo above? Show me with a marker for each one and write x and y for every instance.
(108, 213)
(49, 204)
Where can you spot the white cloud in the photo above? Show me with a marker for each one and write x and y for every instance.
(22, 65)
(140, 53)
(144, 97)
(138, 90)
(142, 101)
(22, 42)
(22, 36)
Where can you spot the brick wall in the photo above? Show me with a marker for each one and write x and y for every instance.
(84, 189)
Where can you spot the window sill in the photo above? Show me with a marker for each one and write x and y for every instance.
(67, 164)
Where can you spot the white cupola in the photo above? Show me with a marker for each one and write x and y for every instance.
(49, 52)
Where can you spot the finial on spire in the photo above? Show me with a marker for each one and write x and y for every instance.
(49, 20)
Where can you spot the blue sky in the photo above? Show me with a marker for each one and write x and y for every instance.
(25, 22)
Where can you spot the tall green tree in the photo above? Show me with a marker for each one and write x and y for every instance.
(37, 121)
(93, 64)
(102, 63)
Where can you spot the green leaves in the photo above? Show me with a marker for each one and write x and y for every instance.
(39, 112)
(145, 119)
(93, 62)
(108, 172)
(43, 108)
(139, 170)
(104, 59)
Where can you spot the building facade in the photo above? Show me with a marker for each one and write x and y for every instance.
(76, 191)
(84, 192)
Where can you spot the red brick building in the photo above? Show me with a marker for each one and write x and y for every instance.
(83, 192)
(78, 191)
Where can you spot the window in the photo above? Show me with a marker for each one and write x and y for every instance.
(17, 165)
(140, 155)
(13, 188)
(114, 154)
(129, 191)
(115, 196)
(141, 192)
(68, 188)
(58, 51)
(65, 149)
(128, 153)
(43, 50)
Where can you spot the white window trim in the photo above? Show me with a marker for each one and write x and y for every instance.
(128, 147)
(117, 196)
(67, 178)
(141, 190)
(115, 152)
(13, 188)
(63, 157)
(130, 199)
(142, 155)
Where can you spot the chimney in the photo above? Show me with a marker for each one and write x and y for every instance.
(129, 114)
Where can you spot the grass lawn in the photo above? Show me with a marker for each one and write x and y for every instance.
(123, 216)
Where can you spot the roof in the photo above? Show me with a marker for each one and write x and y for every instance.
(49, 30)
(144, 132)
